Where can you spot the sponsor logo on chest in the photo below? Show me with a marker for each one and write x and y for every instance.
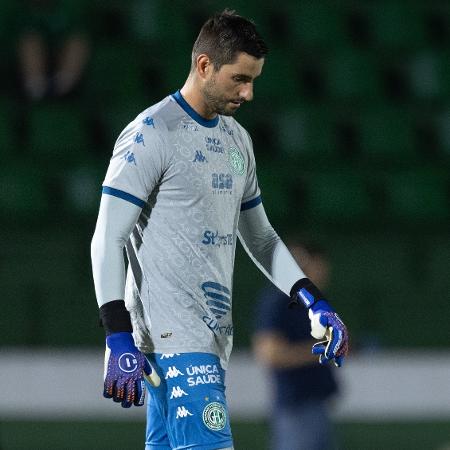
(214, 145)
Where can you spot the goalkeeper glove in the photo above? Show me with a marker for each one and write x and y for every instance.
(325, 323)
(125, 365)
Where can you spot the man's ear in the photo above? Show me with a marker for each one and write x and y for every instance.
(203, 66)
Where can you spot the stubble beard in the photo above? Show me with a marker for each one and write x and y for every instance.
(216, 104)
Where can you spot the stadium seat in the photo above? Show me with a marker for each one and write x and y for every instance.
(44, 274)
(418, 196)
(423, 75)
(442, 120)
(386, 135)
(338, 196)
(316, 24)
(429, 75)
(23, 193)
(8, 137)
(57, 134)
(81, 187)
(115, 72)
(436, 271)
(395, 25)
(370, 272)
(279, 82)
(276, 196)
(353, 75)
(117, 116)
(306, 134)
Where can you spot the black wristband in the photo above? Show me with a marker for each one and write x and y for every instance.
(114, 317)
(313, 292)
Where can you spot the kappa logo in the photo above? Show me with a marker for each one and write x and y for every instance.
(182, 412)
(139, 138)
(168, 355)
(173, 372)
(129, 157)
(149, 121)
(177, 392)
(199, 157)
(189, 127)
(227, 130)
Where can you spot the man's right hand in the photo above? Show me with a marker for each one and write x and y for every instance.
(125, 369)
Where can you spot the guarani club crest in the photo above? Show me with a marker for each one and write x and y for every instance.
(236, 161)
(214, 416)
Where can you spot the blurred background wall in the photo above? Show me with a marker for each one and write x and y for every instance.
(351, 130)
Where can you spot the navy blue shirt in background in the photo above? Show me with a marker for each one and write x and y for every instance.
(293, 386)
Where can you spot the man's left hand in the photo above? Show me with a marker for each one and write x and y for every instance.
(325, 322)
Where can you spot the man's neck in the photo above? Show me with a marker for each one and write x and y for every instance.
(191, 93)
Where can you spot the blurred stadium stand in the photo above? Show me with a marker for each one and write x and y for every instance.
(351, 113)
(351, 129)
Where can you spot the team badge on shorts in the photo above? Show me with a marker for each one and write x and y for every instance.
(236, 161)
(215, 416)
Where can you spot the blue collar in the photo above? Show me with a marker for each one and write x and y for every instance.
(209, 123)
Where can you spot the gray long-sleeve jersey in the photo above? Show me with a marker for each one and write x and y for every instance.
(176, 188)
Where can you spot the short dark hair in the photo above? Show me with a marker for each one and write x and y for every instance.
(226, 34)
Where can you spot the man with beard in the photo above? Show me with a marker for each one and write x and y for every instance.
(180, 187)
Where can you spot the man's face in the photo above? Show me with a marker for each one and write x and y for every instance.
(225, 89)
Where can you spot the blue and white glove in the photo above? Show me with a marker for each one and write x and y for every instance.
(125, 369)
(125, 365)
(325, 323)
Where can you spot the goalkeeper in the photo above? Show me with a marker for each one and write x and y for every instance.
(180, 188)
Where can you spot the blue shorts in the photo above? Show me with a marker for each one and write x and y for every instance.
(188, 410)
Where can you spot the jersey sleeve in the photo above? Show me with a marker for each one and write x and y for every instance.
(139, 160)
(252, 194)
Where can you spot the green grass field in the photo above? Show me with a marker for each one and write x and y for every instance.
(16, 435)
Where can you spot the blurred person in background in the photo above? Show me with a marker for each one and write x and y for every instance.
(300, 419)
(180, 184)
(53, 48)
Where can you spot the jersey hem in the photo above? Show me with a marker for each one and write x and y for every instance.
(223, 444)
(223, 358)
